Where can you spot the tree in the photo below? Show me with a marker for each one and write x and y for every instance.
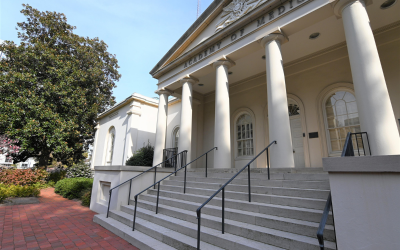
(8, 147)
(52, 86)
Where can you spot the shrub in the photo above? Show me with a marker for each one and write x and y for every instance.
(56, 174)
(18, 191)
(79, 170)
(72, 188)
(142, 157)
(86, 196)
(22, 177)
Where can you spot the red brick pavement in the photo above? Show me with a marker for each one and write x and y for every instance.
(55, 223)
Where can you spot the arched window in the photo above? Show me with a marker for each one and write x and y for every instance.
(175, 138)
(110, 146)
(341, 117)
(244, 139)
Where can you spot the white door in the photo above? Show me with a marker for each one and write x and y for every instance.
(297, 141)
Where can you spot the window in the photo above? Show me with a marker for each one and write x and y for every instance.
(175, 138)
(110, 146)
(341, 117)
(244, 132)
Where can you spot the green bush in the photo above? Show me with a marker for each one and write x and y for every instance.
(79, 170)
(56, 174)
(86, 196)
(18, 191)
(142, 157)
(72, 188)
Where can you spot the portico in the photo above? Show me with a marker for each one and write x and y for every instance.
(248, 70)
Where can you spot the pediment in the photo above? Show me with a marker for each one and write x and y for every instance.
(223, 14)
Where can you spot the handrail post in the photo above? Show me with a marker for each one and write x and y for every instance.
(223, 210)
(198, 228)
(130, 187)
(184, 183)
(369, 147)
(134, 214)
(206, 165)
(109, 200)
(155, 177)
(268, 164)
(358, 147)
(248, 176)
(158, 195)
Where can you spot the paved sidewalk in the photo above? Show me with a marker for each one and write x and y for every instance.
(55, 223)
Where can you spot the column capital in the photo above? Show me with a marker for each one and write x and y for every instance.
(340, 5)
(224, 61)
(190, 79)
(278, 36)
(163, 91)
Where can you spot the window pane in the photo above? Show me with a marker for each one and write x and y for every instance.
(240, 152)
(353, 119)
(334, 134)
(340, 120)
(330, 111)
(349, 97)
(351, 107)
(339, 95)
(247, 131)
(331, 122)
(239, 133)
(335, 145)
(341, 108)
(243, 132)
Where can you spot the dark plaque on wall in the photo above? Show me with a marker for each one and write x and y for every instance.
(313, 135)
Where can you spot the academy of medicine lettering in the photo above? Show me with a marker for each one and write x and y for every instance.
(275, 13)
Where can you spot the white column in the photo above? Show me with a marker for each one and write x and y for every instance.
(373, 102)
(185, 129)
(222, 131)
(96, 139)
(134, 114)
(281, 154)
(161, 129)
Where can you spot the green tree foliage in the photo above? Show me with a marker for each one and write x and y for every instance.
(142, 157)
(52, 86)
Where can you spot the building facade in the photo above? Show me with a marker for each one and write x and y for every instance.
(301, 73)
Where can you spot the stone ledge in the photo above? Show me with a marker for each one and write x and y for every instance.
(131, 168)
(363, 164)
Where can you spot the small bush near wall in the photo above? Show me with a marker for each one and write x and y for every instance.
(86, 196)
(18, 191)
(72, 188)
(79, 170)
(142, 157)
(22, 177)
(56, 175)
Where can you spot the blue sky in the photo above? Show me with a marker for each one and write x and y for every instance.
(139, 32)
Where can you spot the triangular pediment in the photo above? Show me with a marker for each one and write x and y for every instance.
(218, 16)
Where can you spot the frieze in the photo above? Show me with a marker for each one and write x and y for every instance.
(251, 27)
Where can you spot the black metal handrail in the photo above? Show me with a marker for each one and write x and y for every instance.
(183, 157)
(198, 211)
(158, 188)
(324, 219)
(348, 149)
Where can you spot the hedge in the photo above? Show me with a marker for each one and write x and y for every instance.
(72, 188)
(18, 191)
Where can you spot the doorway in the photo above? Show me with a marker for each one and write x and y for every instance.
(296, 130)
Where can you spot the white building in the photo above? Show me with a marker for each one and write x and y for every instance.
(302, 73)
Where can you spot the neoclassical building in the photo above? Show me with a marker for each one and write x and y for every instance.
(301, 72)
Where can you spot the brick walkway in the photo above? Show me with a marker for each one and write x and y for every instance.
(55, 223)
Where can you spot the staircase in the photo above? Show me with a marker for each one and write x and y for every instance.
(284, 213)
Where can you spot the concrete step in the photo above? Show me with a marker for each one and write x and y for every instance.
(200, 195)
(173, 239)
(273, 222)
(296, 192)
(183, 235)
(323, 185)
(250, 234)
(262, 176)
(136, 238)
(191, 204)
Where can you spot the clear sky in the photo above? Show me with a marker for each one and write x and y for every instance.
(139, 32)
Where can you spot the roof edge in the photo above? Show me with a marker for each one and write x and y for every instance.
(187, 34)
